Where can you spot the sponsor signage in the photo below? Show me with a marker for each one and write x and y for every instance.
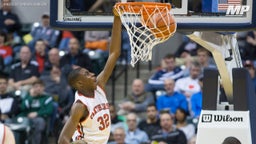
(215, 126)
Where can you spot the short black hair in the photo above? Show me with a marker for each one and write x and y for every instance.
(40, 82)
(169, 56)
(151, 105)
(45, 16)
(231, 140)
(73, 76)
(3, 34)
(4, 76)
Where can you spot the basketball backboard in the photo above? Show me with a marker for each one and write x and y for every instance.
(191, 15)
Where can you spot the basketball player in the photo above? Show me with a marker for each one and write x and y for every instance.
(90, 116)
(6, 135)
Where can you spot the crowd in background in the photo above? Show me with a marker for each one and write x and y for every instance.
(33, 83)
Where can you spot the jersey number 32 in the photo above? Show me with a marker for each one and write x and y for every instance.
(104, 121)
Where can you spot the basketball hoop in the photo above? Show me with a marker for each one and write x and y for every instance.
(147, 24)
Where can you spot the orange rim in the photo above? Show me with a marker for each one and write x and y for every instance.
(149, 6)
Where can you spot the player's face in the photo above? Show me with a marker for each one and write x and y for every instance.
(88, 79)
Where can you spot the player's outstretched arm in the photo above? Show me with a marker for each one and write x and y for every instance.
(78, 111)
(114, 52)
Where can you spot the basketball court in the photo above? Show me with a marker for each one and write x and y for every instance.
(210, 23)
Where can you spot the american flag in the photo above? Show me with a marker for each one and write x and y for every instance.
(223, 4)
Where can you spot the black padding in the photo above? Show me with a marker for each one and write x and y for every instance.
(210, 89)
(244, 96)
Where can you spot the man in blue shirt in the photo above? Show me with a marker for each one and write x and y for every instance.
(134, 135)
(196, 101)
(171, 100)
(156, 81)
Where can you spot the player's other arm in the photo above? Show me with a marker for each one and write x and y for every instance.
(114, 52)
(8, 137)
(78, 111)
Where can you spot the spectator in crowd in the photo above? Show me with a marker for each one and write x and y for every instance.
(57, 86)
(96, 46)
(249, 51)
(65, 37)
(187, 46)
(9, 105)
(102, 5)
(40, 54)
(156, 81)
(119, 136)
(152, 123)
(37, 106)
(44, 32)
(2, 66)
(138, 100)
(116, 120)
(96, 40)
(183, 125)
(196, 101)
(251, 69)
(53, 60)
(134, 135)
(168, 134)
(75, 57)
(5, 50)
(171, 100)
(9, 21)
(23, 73)
(204, 59)
(189, 85)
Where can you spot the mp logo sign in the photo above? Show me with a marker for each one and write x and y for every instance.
(237, 10)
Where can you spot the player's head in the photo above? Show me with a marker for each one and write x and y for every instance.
(231, 140)
(82, 80)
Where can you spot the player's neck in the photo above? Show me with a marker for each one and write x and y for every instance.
(87, 93)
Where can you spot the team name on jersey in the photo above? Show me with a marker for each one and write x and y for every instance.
(99, 108)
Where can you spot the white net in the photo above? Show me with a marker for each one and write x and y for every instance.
(147, 25)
